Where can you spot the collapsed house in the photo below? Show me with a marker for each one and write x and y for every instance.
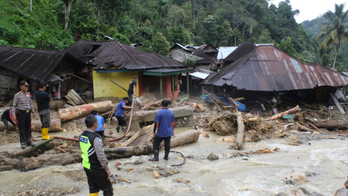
(268, 70)
(157, 74)
(62, 72)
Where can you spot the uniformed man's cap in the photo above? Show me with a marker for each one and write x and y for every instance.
(42, 84)
(23, 83)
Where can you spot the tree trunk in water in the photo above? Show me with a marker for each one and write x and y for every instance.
(55, 126)
(81, 111)
(68, 5)
(295, 109)
(27, 151)
(240, 132)
(177, 140)
(331, 124)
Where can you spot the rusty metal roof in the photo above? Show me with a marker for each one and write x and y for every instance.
(267, 68)
(32, 63)
(113, 54)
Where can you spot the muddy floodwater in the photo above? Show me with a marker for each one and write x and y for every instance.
(254, 175)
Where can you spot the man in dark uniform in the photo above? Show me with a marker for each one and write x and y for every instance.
(94, 160)
(43, 106)
(163, 130)
(7, 117)
(22, 108)
(131, 89)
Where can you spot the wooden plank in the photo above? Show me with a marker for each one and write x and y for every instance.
(337, 103)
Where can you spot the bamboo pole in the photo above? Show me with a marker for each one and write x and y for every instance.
(29, 150)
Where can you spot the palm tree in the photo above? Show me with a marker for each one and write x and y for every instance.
(336, 29)
(322, 55)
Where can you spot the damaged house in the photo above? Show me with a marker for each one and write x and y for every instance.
(59, 70)
(118, 62)
(268, 71)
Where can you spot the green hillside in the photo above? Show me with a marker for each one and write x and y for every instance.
(313, 28)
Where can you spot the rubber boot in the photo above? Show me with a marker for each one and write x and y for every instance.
(93, 194)
(118, 129)
(166, 153)
(123, 129)
(45, 135)
(155, 156)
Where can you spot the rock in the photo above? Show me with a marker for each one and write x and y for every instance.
(212, 157)
(341, 192)
(310, 174)
(292, 140)
(234, 146)
(316, 133)
(280, 134)
(296, 178)
(228, 139)
(281, 194)
(295, 192)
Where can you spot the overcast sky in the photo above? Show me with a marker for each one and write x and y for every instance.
(310, 9)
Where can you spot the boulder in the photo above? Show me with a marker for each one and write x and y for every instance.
(341, 192)
(296, 178)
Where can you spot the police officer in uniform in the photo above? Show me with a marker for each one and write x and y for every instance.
(94, 160)
(22, 108)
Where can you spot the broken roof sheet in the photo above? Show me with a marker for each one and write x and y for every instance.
(180, 46)
(267, 68)
(117, 55)
(205, 58)
(225, 51)
(240, 51)
(32, 63)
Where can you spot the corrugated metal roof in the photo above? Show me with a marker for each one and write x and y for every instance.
(121, 56)
(199, 75)
(32, 63)
(267, 68)
(225, 51)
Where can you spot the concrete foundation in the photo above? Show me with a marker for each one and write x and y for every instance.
(183, 118)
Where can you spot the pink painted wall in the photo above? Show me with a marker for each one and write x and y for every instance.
(167, 87)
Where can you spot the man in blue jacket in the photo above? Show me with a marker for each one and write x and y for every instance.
(120, 114)
(100, 129)
(163, 130)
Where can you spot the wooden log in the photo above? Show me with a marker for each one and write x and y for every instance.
(27, 151)
(129, 182)
(132, 139)
(316, 128)
(177, 140)
(295, 109)
(331, 124)
(84, 110)
(200, 106)
(37, 126)
(240, 131)
(55, 104)
(303, 127)
(337, 103)
(156, 174)
(239, 99)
